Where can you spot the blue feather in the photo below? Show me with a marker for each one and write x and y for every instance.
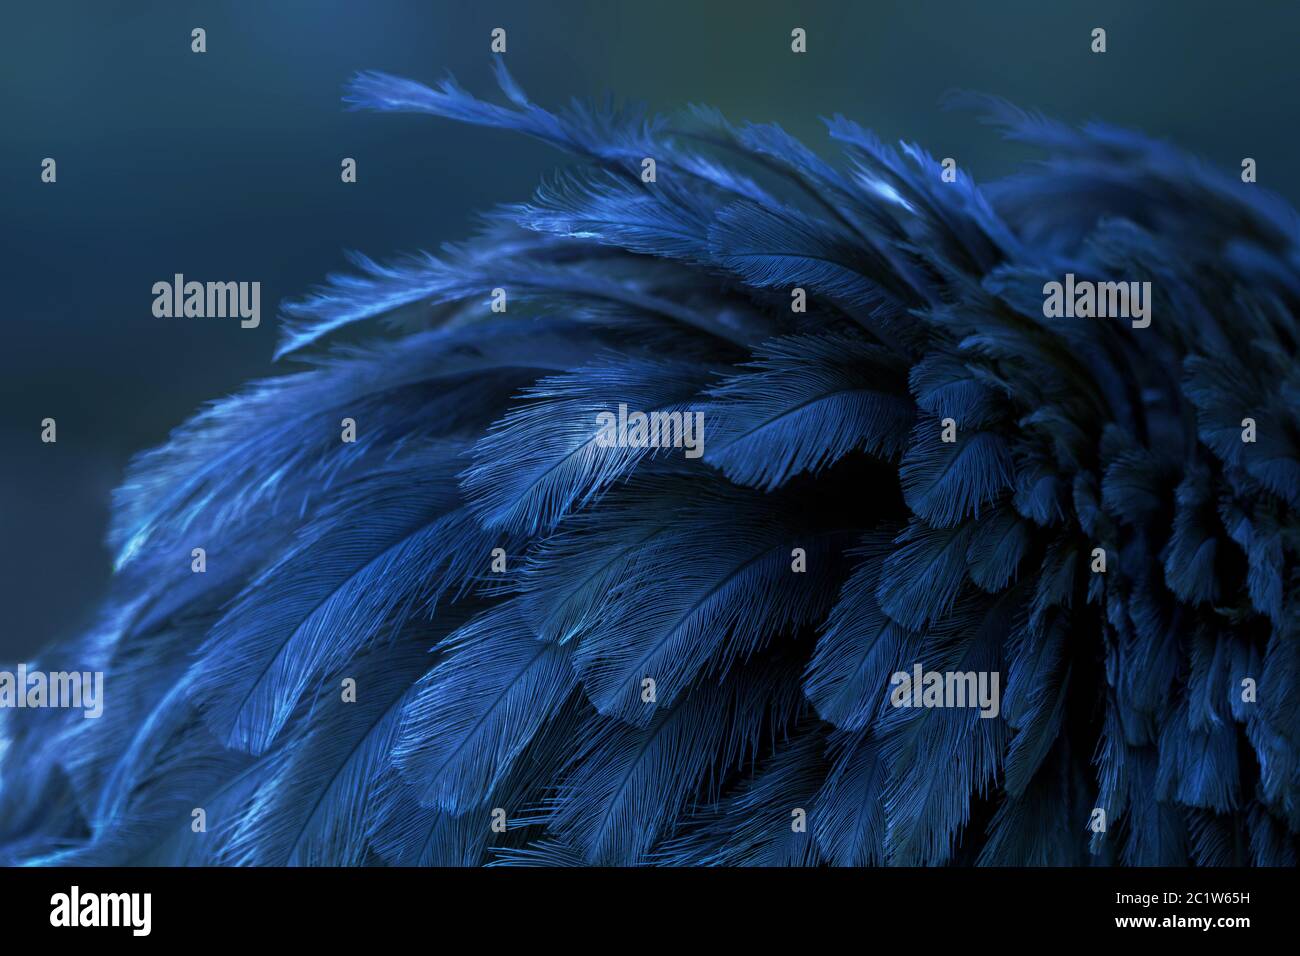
(938, 759)
(849, 812)
(336, 591)
(756, 824)
(626, 785)
(804, 403)
(545, 460)
(309, 809)
(470, 716)
(859, 649)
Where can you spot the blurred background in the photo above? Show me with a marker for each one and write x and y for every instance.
(225, 166)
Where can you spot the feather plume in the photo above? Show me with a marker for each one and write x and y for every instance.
(691, 659)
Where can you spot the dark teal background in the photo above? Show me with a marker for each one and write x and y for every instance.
(226, 166)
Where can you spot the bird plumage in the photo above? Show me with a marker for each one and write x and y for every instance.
(520, 695)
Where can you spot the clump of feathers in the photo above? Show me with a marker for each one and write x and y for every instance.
(484, 696)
